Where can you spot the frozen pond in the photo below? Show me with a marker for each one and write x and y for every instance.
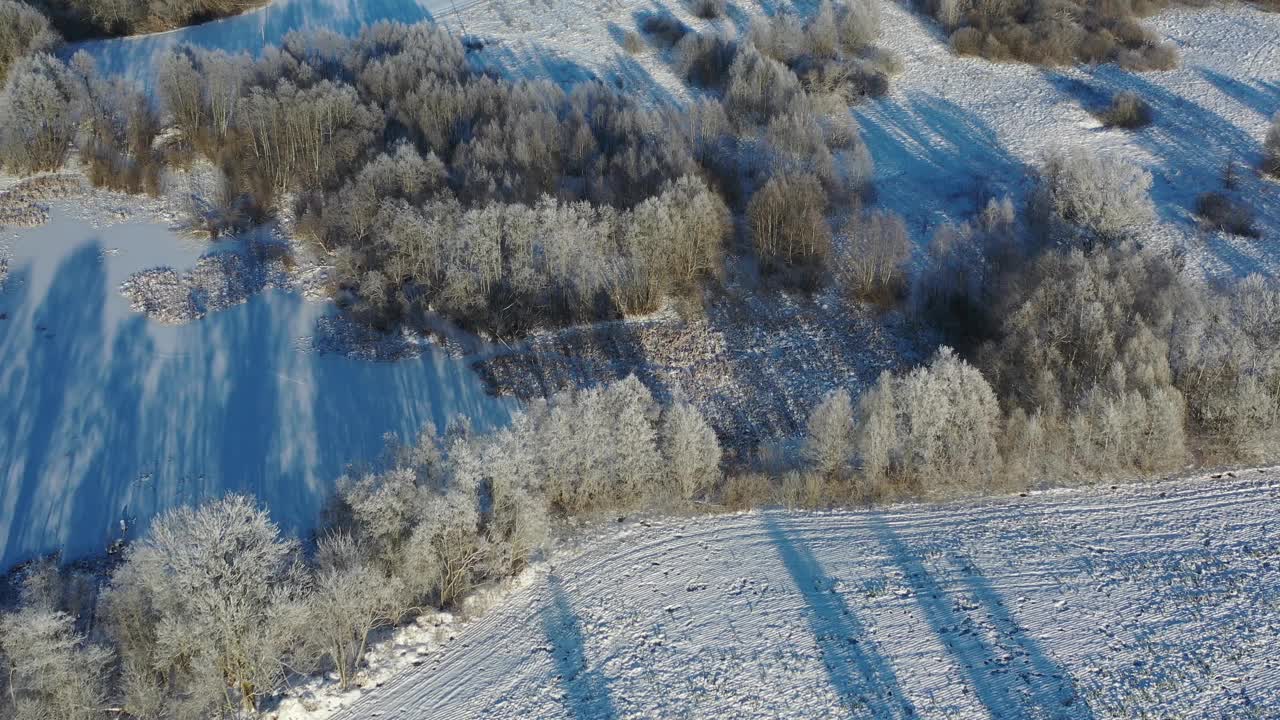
(106, 415)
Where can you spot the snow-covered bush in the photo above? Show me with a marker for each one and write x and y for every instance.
(957, 288)
(664, 28)
(38, 116)
(349, 599)
(1067, 32)
(829, 439)
(760, 88)
(1271, 161)
(1084, 200)
(23, 31)
(53, 672)
(708, 9)
(1221, 212)
(872, 263)
(704, 59)
(1226, 361)
(1127, 110)
(127, 17)
(934, 430)
(787, 219)
(691, 451)
(210, 602)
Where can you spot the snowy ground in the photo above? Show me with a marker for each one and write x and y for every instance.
(108, 415)
(1152, 601)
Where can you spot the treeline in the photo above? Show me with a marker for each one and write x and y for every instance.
(84, 19)
(215, 610)
(1056, 32)
(1085, 356)
(437, 186)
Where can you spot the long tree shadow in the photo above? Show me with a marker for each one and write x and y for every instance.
(1192, 145)
(860, 675)
(935, 160)
(1020, 681)
(586, 690)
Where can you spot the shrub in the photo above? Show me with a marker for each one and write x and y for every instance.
(1219, 212)
(52, 671)
(1066, 32)
(23, 31)
(787, 219)
(933, 430)
(872, 264)
(760, 88)
(632, 42)
(859, 23)
(37, 116)
(1085, 341)
(89, 18)
(1127, 110)
(708, 9)
(1271, 159)
(208, 600)
(829, 437)
(664, 28)
(704, 60)
(691, 450)
(1085, 200)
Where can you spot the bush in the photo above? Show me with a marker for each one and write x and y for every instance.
(1063, 33)
(691, 450)
(37, 116)
(1271, 159)
(760, 88)
(91, 18)
(873, 263)
(704, 60)
(664, 28)
(1219, 212)
(209, 602)
(787, 219)
(632, 42)
(53, 672)
(708, 9)
(23, 31)
(829, 436)
(1084, 200)
(1128, 110)
(932, 430)
(859, 23)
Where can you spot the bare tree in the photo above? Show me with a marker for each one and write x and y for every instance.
(872, 264)
(788, 222)
(349, 599)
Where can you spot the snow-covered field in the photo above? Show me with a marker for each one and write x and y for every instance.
(107, 415)
(1154, 601)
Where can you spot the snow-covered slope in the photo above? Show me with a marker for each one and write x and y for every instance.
(1144, 601)
(951, 132)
